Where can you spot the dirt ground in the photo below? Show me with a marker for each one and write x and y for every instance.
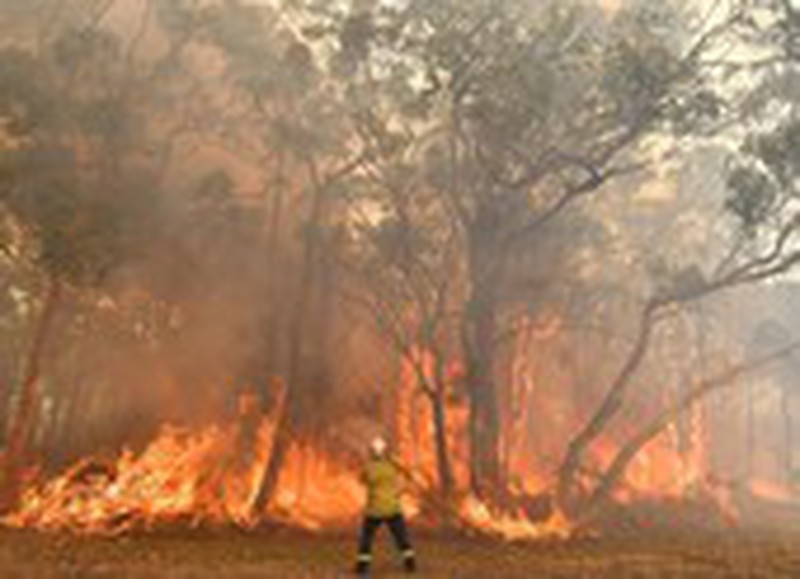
(282, 554)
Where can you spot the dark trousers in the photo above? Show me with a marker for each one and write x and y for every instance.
(399, 531)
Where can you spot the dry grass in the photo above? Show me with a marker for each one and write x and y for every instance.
(282, 554)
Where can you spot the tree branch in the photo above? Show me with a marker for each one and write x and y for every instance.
(622, 460)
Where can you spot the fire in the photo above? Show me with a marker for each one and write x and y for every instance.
(667, 471)
(181, 475)
(415, 434)
(209, 476)
(213, 475)
(316, 491)
(414, 429)
(514, 526)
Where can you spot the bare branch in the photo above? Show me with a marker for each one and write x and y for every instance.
(782, 239)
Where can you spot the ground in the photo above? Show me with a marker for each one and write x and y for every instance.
(274, 553)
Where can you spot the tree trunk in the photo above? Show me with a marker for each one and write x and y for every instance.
(280, 447)
(23, 421)
(436, 393)
(788, 435)
(289, 419)
(274, 316)
(484, 420)
(443, 466)
(608, 409)
(296, 377)
(72, 441)
(628, 452)
(750, 434)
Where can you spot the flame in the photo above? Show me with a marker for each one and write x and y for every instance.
(415, 434)
(212, 475)
(414, 431)
(515, 526)
(316, 491)
(181, 475)
(663, 471)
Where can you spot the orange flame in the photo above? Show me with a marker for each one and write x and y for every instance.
(180, 475)
(213, 475)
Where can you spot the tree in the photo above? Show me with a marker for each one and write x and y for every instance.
(760, 181)
(79, 235)
(73, 184)
(522, 113)
(405, 283)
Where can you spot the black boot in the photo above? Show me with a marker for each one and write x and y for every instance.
(362, 569)
(410, 564)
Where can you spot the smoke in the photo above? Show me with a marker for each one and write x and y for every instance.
(237, 241)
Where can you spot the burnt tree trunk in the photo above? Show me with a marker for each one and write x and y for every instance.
(488, 259)
(320, 373)
(484, 420)
(273, 322)
(23, 421)
(71, 441)
(435, 389)
(443, 464)
(296, 375)
(438, 399)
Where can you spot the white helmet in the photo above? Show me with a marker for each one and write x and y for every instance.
(378, 446)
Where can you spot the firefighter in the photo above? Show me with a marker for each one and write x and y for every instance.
(383, 481)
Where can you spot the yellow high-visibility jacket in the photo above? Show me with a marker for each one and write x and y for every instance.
(383, 481)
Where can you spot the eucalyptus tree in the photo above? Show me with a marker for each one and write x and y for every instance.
(62, 128)
(511, 113)
(757, 77)
(83, 106)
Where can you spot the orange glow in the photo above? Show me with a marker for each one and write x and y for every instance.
(181, 475)
(315, 491)
(772, 491)
(514, 526)
(662, 471)
(212, 475)
(416, 449)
